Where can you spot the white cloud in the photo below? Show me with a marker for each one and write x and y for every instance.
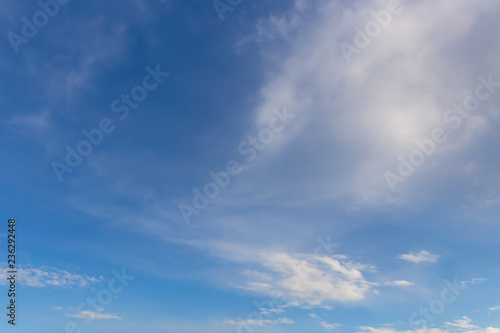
(392, 330)
(326, 307)
(311, 282)
(494, 308)
(92, 315)
(473, 281)
(308, 281)
(268, 311)
(48, 277)
(286, 321)
(461, 324)
(464, 322)
(289, 304)
(418, 257)
(329, 326)
(399, 283)
(485, 330)
(370, 111)
(261, 322)
(313, 315)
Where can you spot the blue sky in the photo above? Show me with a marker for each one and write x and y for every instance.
(295, 166)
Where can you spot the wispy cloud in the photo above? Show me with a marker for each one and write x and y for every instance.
(387, 107)
(38, 122)
(419, 257)
(399, 283)
(463, 325)
(261, 322)
(464, 322)
(92, 315)
(473, 281)
(392, 330)
(49, 277)
(268, 311)
(329, 326)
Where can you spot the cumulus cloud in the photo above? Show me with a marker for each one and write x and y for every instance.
(419, 257)
(304, 280)
(311, 282)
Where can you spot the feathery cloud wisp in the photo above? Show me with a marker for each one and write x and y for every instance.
(418, 257)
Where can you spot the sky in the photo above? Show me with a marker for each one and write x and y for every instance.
(251, 166)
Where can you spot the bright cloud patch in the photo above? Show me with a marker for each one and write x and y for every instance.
(418, 257)
(367, 329)
(269, 311)
(92, 315)
(399, 283)
(261, 322)
(473, 281)
(48, 276)
(329, 326)
(465, 322)
(393, 92)
(312, 282)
